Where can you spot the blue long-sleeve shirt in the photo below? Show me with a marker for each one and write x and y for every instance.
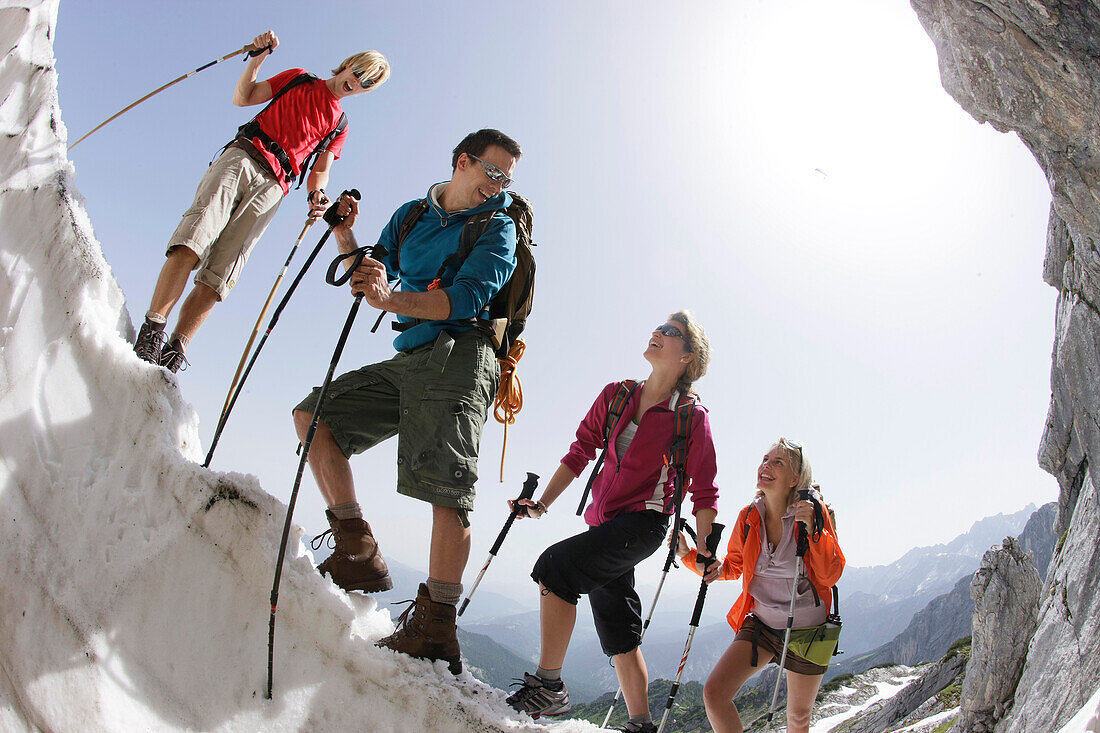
(436, 236)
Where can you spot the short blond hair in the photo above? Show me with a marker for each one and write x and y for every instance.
(372, 63)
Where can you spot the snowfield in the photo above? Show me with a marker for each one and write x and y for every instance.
(135, 583)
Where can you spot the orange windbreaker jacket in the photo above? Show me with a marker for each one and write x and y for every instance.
(824, 561)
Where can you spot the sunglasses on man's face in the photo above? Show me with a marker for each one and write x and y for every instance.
(365, 83)
(494, 174)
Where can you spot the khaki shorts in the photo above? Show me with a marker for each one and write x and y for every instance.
(436, 408)
(235, 201)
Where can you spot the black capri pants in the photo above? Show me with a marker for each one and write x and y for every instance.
(600, 563)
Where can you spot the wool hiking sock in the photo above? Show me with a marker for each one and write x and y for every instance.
(549, 675)
(440, 592)
(350, 510)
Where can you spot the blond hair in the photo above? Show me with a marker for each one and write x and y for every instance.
(371, 63)
(696, 342)
(799, 464)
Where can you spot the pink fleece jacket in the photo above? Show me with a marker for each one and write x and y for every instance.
(638, 480)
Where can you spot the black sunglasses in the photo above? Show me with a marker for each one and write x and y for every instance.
(365, 83)
(669, 330)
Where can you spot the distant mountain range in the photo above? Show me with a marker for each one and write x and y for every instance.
(880, 605)
(878, 602)
(947, 617)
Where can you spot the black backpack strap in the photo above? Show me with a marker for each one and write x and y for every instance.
(614, 412)
(755, 642)
(411, 217)
(472, 231)
(252, 129)
(311, 159)
(677, 452)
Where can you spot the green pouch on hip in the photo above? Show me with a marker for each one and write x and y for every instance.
(816, 644)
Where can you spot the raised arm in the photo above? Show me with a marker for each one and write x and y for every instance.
(249, 91)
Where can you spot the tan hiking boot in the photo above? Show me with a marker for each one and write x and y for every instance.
(355, 563)
(426, 630)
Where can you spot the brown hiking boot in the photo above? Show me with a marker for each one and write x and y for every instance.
(356, 563)
(426, 630)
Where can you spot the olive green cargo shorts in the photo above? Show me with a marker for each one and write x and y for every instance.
(436, 406)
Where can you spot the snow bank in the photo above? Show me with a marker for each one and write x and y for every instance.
(135, 583)
(1087, 719)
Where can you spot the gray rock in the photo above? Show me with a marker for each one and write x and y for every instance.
(917, 695)
(1029, 66)
(1006, 604)
(1038, 538)
(1063, 661)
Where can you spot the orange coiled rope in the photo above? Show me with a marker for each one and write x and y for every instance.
(509, 399)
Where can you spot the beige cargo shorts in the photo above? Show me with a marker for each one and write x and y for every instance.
(236, 200)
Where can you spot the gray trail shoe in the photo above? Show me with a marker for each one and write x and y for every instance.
(149, 342)
(538, 697)
(171, 358)
(649, 727)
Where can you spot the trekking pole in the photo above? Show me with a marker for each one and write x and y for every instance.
(678, 525)
(263, 314)
(358, 255)
(527, 492)
(799, 566)
(251, 52)
(712, 547)
(332, 219)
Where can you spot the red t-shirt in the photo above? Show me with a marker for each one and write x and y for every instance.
(298, 121)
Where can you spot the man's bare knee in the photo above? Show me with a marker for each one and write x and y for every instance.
(184, 257)
(302, 421)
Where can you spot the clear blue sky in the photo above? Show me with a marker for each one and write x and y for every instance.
(866, 258)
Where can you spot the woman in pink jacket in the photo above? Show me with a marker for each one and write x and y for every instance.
(762, 549)
(628, 518)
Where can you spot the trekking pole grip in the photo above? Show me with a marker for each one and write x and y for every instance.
(712, 546)
(331, 217)
(714, 538)
(526, 492)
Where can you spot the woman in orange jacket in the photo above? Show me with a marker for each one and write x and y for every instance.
(762, 551)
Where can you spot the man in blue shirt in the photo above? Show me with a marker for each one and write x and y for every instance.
(434, 394)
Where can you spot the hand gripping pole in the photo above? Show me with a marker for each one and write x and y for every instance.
(332, 219)
(527, 492)
(712, 547)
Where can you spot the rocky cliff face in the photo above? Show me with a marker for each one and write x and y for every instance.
(1029, 66)
(1006, 601)
(1038, 538)
(920, 699)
